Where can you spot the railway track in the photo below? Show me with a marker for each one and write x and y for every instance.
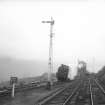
(88, 92)
(98, 93)
(61, 97)
(82, 96)
(5, 92)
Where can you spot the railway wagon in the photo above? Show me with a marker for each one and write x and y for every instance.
(62, 73)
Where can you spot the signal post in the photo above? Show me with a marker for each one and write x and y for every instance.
(50, 62)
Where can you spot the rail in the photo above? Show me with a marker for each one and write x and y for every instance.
(90, 88)
(61, 97)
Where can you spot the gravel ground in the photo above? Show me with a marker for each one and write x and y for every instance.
(29, 97)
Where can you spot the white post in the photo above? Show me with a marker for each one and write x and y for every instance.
(13, 90)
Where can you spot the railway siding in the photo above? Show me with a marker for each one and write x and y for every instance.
(88, 92)
(98, 93)
(62, 97)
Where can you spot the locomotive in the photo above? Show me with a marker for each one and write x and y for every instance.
(62, 73)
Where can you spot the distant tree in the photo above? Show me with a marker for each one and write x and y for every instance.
(101, 72)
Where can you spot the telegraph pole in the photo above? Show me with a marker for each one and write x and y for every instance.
(50, 62)
(93, 64)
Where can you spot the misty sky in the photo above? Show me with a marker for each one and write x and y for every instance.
(79, 30)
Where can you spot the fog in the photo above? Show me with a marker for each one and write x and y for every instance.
(78, 34)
